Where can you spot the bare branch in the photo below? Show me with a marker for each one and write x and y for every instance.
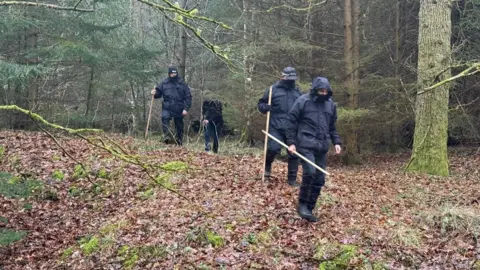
(475, 68)
(33, 4)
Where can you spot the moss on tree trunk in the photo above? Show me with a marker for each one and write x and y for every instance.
(431, 116)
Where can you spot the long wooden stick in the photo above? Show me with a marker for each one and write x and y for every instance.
(296, 153)
(266, 137)
(149, 115)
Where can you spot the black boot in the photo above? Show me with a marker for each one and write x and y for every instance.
(268, 164)
(293, 182)
(304, 199)
(268, 171)
(292, 172)
(306, 213)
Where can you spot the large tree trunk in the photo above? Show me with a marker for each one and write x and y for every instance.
(431, 116)
(352, 75)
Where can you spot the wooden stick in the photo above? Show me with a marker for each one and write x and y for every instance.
(266, 137)
(296, 153)
(149, 115)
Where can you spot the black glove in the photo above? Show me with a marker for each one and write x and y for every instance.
(267, 108)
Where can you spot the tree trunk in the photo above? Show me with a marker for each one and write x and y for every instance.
(182, 61)
(352, 80)
(431, 115)
(90, 91)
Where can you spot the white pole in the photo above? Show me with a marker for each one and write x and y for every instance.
(296, 153)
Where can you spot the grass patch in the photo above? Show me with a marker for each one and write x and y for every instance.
(15, 187)
(203, 236)
(89, 245)
(406, 236)
(131, 255)
(334, 256)
(326, 199)
(449, 217)
(9, 236)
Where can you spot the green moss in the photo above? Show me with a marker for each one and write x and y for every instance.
(89, 245)
(56, 158)
(214, 239)
(9, 236)
(3, 219)
(67, 253)
(79, 172)
(58, 175)
(102, 173)
(147, 194)
(175, 166)
(74, 191)
(2, 151)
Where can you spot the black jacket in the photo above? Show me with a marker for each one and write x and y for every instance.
(283, 98)
(212, 110)
(176, 95)
(311, 121)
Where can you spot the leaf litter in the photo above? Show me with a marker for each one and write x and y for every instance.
(125, 221)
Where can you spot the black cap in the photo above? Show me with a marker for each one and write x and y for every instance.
(289, 73)
(172, 70)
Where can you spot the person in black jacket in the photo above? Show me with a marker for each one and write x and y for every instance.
(284, 94)
(213, 121)
(177, 100)
(311, 122)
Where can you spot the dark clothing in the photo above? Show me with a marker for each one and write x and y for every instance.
(176, 98)
(211, 130)
(283, 98)
(312, 179)
(312, 121)
(167, 131)
(284, 94)
(212, 111)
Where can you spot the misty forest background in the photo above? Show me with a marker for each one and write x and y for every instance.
(80, 68)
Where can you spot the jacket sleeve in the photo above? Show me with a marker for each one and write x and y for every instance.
(188, 98)
(263, 101)
(204, 110)
(159, 90)
(292, 122)
(332, 129)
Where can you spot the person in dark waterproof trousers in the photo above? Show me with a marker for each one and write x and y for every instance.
(212, 122)
(311, 122)
(284, 94)
(177, 100)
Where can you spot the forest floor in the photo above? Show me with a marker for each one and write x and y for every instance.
(372, 216)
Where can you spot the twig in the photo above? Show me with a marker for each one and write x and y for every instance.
(63, 149)
(17, 3)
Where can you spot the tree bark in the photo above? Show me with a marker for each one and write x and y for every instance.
(182, 61)
(431, 115)
(352, 75)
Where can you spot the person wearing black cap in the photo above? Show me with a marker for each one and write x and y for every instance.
(311, 122)
(284, 94)
(177, 100)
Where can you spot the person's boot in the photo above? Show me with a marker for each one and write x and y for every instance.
(268, 171)
(304, 212)
(292, 181)
(292, 172)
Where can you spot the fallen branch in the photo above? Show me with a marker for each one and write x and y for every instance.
(121, 154)
(33, 4)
